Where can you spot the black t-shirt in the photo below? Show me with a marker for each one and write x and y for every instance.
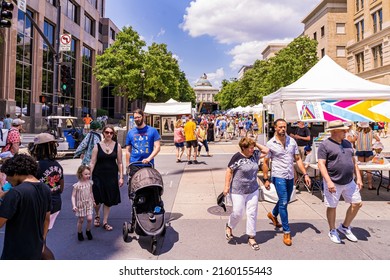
(339, 160)
(302, 132)
(25, 207)
(51, 173)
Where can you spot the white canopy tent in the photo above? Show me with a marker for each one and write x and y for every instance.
(324, 81)
(171, 107)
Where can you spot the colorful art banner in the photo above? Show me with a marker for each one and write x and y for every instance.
(310, 111)
(356, 110)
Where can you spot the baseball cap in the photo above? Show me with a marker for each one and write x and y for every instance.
(17, 121)
(44, 138)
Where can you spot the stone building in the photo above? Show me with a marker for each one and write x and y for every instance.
(327, 24)
(205, 93)
(368, 47)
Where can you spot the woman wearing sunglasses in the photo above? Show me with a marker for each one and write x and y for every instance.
(106, 167)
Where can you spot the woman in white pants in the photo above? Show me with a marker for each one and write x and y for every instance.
(241, 183)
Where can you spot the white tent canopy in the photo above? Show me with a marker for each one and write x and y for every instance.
(171, 107)
(324, 81)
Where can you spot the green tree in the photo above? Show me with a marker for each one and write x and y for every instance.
(162, 74)
(121, 63)
(228, 96)
(186, 92)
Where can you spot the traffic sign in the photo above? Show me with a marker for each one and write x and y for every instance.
(65, 42)
(22, 5)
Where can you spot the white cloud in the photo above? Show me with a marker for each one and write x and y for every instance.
(249, 25)
(237, 21)
(247, 52)
(179, 60)
(161, 33)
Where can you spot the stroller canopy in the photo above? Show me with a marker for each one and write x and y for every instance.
(146, 177)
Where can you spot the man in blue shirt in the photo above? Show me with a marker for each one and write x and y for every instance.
(142, 141)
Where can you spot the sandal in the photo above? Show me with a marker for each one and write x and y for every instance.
(107, 227)
(254, 244)
(228, 233)
(96, 221)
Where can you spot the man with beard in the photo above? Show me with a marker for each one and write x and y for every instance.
(283, 150)
(142, 141)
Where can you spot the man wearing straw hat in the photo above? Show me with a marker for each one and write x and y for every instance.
(338, 166)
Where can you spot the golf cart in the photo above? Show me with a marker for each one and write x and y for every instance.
(68, 133)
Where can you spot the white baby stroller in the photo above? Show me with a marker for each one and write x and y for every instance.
(145, 190)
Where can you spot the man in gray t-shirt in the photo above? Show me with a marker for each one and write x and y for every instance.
(337, 164)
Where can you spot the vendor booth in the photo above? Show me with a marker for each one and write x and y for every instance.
(164, 115)
(329, 92)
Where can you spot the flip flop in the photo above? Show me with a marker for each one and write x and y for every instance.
(254, 245)
(228, 236)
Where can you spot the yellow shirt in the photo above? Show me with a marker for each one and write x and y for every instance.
(189, 131)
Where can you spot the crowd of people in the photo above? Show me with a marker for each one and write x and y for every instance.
(33, 202)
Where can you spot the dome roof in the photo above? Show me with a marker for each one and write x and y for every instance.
(203, 81)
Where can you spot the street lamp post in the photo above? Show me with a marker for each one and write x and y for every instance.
(143, 74)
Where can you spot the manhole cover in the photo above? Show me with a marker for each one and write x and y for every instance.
(217, 210)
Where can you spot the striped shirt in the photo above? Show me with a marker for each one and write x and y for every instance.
(364, 141)
(282, 157)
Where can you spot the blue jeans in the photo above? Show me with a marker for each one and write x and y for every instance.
(205, 144)
(284, 189)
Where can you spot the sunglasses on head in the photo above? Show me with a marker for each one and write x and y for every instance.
(109, 132)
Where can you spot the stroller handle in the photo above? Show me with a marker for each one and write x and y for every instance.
(140, 162)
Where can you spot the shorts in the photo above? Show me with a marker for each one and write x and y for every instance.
(87, 126)
(192, 143)
(179, 145)
(365, 154)
(350, 193)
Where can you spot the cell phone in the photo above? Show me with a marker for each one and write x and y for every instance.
(7, 186)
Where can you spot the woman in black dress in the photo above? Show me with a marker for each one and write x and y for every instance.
(210, 131)
(106, 166)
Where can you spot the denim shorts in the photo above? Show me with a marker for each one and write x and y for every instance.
(365, 154)
(179, 145)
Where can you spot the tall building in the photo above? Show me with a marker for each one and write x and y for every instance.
(271, 50)
(28, 64)
(368, 48)
(327, 24)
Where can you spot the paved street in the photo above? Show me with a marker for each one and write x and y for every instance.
(196, 226)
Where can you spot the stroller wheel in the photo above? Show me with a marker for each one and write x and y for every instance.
(125, 231)
(153, 247)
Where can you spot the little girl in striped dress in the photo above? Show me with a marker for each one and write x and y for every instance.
(83, 201)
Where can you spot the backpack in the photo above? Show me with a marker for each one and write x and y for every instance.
(3, 137)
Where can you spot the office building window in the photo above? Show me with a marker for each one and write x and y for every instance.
(100, 28)
(377, 56)
(112, 34)
(71, 10)
(89, 25)
(68, 98)
(323, 52)
(93, 3)
(23, 63)
(340, 28)
(53, 2)
(359, 26)
(48, 67)
(340, 51)
(315, 36)
(86, 81)
(322, 31)
(359, 58)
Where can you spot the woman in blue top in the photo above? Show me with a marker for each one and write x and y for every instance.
(241, 183)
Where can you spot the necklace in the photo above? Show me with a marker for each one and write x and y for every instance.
(107, 146)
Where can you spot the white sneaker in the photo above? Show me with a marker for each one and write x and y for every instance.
(348, 233)
(334, 236)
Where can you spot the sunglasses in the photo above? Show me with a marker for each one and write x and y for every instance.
(109, 132)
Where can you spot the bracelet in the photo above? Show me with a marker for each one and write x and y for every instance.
(305, 174)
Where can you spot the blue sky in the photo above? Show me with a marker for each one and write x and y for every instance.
(215, 37)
